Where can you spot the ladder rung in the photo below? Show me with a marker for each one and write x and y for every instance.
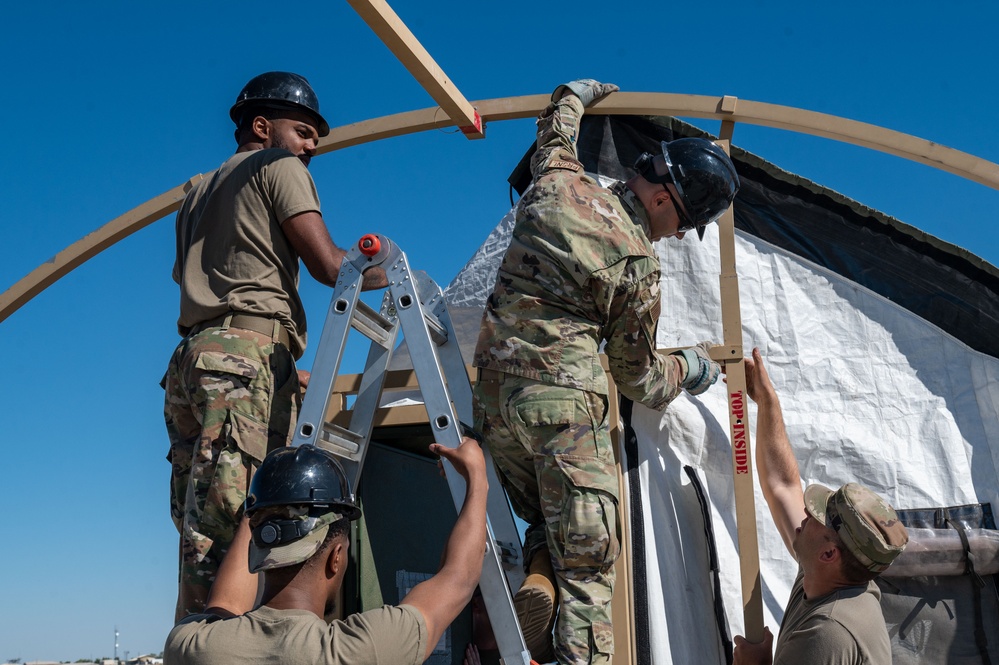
(340, 437)
(437, 332)
(371, 324)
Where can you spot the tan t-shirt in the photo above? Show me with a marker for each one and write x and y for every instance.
(231, 252)
(389, 635)
(845, 627)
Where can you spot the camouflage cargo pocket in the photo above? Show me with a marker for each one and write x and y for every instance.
(547, 412)
(549, 417)
(603, 637)
(588, 519)
(179, 457)
(243, 445)
(229, 379)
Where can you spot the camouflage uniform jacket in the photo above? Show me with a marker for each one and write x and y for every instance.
(579, 270)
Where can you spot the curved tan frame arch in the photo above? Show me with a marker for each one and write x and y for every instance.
(727, 109)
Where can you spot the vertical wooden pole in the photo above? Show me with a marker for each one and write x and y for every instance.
(622, 604)
(742, 456)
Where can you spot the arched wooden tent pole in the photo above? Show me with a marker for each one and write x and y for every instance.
(726, 109)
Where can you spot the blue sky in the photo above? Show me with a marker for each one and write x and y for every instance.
(107, 104)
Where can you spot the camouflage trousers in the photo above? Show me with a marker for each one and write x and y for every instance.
(231, 397)
(552, 451)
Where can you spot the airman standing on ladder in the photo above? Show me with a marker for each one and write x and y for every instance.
(581, 270)
(232, 388)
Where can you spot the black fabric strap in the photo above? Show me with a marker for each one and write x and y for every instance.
(976, 587)
(709, 535)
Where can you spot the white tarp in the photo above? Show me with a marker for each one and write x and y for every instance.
(871, 393)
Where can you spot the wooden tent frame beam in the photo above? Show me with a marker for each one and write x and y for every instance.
(387, 25)
(729, 110)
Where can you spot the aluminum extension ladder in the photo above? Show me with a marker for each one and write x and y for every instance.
(415, 304)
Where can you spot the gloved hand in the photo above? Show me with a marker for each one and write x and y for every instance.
(702, 371)
(587, 90)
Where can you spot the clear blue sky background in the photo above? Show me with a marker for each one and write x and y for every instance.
(107, 104)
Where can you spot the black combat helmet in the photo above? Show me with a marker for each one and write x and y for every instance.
(703, 175)
(279, 90)
(302, 476)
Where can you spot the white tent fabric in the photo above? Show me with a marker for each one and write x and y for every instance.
(871, 393)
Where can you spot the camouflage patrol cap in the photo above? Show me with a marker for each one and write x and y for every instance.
(866, 524)
(282, 525)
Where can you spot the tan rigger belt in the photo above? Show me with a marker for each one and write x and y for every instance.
(259, 324)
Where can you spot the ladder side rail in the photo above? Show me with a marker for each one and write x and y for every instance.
(498, 599)
(332, 342)
(449, 353)
(454, 366)
(504, 527)
(424, 355)
(444, 423)
(505, 535)
(366, 404)
(370, 391)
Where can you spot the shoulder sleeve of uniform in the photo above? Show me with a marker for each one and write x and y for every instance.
(558, 129)
(629, 297)
(386, 635)
(183, 640)
(290, 187)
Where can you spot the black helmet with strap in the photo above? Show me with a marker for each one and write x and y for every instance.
(302, 476)
(704, 177)
(279, 90)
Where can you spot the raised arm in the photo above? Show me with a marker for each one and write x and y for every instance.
(444, 595)
(628, 292)
(235, 588)
(775, 462)
(558, 124)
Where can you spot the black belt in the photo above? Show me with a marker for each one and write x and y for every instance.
(259, 324)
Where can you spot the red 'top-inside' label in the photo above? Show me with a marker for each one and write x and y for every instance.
(739, 448)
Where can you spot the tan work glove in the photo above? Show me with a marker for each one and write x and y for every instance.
(588, 90)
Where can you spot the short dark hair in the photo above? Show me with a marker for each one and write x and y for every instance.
(337, 529)
(245, 126)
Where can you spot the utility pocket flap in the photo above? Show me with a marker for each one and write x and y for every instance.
(546, 412)
(218, 361)
(249, 435)
(590, 472)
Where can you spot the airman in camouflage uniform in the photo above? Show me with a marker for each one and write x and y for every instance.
(232, 388)
(580, 270)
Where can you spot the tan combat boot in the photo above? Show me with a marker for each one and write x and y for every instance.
(537, 606)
